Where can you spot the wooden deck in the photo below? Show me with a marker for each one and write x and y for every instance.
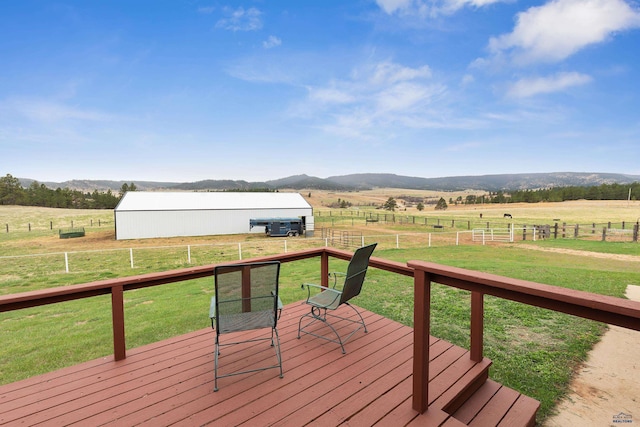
(171, 382)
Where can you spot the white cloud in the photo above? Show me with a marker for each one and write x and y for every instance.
(330, 96)
(532, 86)
(206, 10)
(47, 111)
(401, 97)
(375, 98)
(430, 8)
(240, 19)
(392, 6)
(271, 42)
(560, 28)
(467, 79)
(387, 72)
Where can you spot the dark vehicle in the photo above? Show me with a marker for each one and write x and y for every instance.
(279, 227)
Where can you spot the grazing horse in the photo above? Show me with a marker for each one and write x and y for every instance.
(508, 216)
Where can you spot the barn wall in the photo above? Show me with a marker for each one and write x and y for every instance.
(152, 224)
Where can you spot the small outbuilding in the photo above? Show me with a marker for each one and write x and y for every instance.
(151, 214)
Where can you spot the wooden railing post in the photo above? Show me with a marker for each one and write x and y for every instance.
(324, 269)
(477, 326)
(117, 315)
(421, 332)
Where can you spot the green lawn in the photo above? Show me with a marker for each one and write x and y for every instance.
(533, 350)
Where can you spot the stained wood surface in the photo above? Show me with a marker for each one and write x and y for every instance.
(171, 382)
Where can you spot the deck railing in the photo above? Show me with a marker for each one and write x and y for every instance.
(117, 287)
(602, 308)
(606, 309)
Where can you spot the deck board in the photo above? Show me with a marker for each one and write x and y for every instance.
(171, 383)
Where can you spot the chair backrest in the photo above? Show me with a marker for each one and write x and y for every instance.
(356, 272)
(246, 295)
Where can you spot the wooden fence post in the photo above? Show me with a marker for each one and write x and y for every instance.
(604, 234)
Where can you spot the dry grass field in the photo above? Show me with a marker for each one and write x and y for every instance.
(45, 222)
(579, 211)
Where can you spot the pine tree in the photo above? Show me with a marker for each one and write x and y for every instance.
(441, 205)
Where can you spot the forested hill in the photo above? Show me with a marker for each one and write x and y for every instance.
(12, 192)
(490, 183)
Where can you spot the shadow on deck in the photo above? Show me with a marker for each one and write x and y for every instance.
(171, 382)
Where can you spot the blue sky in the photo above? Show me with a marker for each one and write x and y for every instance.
(187, 90)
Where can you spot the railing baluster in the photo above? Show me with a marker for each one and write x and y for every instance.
(477, 326)
(117, 314)
(324, 269)
(421, 333)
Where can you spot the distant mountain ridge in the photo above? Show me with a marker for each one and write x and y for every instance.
(354, 182)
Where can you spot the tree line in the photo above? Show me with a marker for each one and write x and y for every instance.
(556, 194)
(561, 194)
(37, 194)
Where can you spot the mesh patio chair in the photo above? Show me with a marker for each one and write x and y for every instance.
(323, 299)
(246, 298)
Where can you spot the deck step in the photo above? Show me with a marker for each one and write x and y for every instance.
(475, 375)
(493, 404)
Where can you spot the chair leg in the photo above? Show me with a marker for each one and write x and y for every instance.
(274, 331)
(317, 315)
(359, 315)
(215, 367)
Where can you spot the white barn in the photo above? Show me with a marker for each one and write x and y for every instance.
(145, 214)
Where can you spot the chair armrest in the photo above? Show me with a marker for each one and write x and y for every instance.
(313, 285)
(327, 298)
(335, 275)
(212, 312)
(280, 305)
(212, 308)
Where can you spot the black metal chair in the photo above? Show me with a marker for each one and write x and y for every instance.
(332, 298)
(246, 298)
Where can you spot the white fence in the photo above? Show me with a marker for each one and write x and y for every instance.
(155, 258)
(492, 235)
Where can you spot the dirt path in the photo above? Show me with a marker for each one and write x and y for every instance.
(606, 390)
(619, 257)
